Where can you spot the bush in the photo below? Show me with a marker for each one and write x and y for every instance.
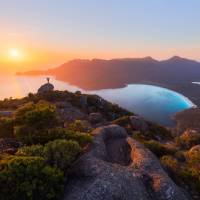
(158, 132)
(29, 178)
(157, 148)
(81, 138)
(55, 95)
(29, 135)
(25, 134)
(171, 164)
(193, 156)
(11, 104)
(79, 126)
(41, 115)
(6, 127)
(35, 127)
(137, 135)
(188, 139)
(33, 122)
(191, 177)
(34, 150)
(62, 133)
(122, 121)
(61, 153)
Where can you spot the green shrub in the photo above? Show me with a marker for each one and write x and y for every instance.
(156, 131)
(55, 95)
(157, 148)
(6, 127)
(171, 164)
(108, 110)
(33, 150)
(29, 135)
(62, 133)
(79, 126)
(61, 153)
(137, 135)
(41, 115)
(56, 133)
(33, 122)
(81, 138)
(24, 178)
(122, 121)
(11, 104)
(191, 177)
(193, 157)
(188, 140)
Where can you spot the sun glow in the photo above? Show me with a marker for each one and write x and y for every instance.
(15, 53)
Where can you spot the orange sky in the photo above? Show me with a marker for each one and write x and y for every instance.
(47, 33)
(38, 53)
(32, 58)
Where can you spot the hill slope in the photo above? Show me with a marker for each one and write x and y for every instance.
(175, 73)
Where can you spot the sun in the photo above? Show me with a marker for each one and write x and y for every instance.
(15, 53)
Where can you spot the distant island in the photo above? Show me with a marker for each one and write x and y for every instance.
(175, 73)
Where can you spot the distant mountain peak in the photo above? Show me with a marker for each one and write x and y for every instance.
(177, 58)
(181, 59)
(149, 58)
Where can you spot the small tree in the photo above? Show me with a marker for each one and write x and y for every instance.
(33, 122)
(29, 178)
(33, 150)
(6, 127)
(41, 115)
(61, 153)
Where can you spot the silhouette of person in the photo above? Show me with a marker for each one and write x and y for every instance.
(48, 79)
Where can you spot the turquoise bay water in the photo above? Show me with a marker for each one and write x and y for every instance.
(151, 102)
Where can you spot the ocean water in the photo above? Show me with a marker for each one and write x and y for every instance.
(151, 102)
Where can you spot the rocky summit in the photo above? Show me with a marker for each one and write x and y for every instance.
(48, 87)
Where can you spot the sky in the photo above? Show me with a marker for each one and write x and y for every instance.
(38, 34)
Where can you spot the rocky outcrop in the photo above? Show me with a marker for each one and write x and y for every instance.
(48, 87)
(118, 168)
(187, 119)
(95, 118)
(148, 165)
(68, 112)
(139, 124)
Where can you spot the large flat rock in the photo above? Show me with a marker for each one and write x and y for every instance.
(118, 168)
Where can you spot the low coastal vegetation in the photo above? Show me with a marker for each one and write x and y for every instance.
(46, 134)
(38, 169)
(48, 144)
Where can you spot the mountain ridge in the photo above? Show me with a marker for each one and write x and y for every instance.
(175, 73)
